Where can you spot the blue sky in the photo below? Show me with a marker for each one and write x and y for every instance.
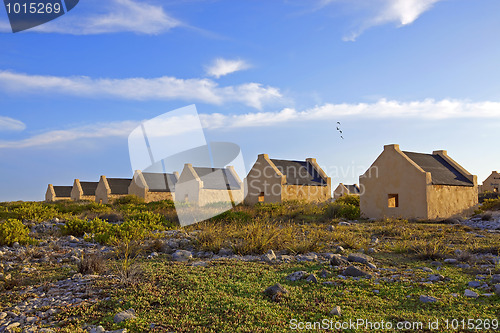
(272, 76)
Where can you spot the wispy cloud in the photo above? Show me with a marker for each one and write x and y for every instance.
(379, 12)
(9, 124)
(110, 16)
(383, 109)
(163, 88)
(426, 109)
(221, 67)
(99, 130)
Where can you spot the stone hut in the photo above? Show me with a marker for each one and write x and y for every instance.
(202, 185)
(56, 193)
(109, 189)
(401, 184)
(492, 183)
(274, 180)
(344, 189)
(154, 186)
(83, 190)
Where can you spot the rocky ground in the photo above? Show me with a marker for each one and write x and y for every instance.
(42, 301)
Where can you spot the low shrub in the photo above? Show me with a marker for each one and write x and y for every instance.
(92, 263)
(12, 231)
(36, 212)
(128, 199)
(349, 200)
(342, 210)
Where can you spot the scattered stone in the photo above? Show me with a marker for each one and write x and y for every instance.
(426, 269)
(276, 291)
(495, 278)
(73, 239)
(338, 260)
(331, 228)
(435, 278)
(336, 311)
(436, 263)
(124, 315)
(497, 289)
(355, 271)
(451, 261)
(312, 278)
(359, 257)
(344, 223)
(371, 265)
(199, 263)
(470, 293)
(269, 256)
(376, 291)
(339, 249)
(225, 252)
(299, 275)
(182, 255)
(324, 273)
(372, 250)
(474, 284)
(464, 266)
(98, 329)
(427, 299)
(307, 257)
(3, 315)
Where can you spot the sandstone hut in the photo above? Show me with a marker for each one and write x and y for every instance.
(344, 189)
(83, 190)
(273, 180)
(409, 185)
(202, 185)
(56, 193)
(109, 189)
(154, 186)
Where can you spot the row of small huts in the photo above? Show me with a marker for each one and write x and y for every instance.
(398, 184)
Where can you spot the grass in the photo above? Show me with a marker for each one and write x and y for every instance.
(227, 295)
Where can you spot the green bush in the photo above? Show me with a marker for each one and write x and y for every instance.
(78, 227)
(12, 231)
(342, 210)
(488, 204)
(37, 212)
(232, 215)
(128, 199)
(349, 199)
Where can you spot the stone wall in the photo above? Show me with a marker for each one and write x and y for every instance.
(446, 201)
(305, 193)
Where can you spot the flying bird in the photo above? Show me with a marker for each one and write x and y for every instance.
(338, 122)
(342, 137)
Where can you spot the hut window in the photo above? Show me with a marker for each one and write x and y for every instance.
(393, 200)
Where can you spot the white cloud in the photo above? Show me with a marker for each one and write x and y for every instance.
(9, 124)
(162, 88)
(100, 130)
(221, 67)
(383, 109)
(114, 16)
(379, 12)
(426, 109)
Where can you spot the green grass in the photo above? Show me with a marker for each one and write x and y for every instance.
(227, 297)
